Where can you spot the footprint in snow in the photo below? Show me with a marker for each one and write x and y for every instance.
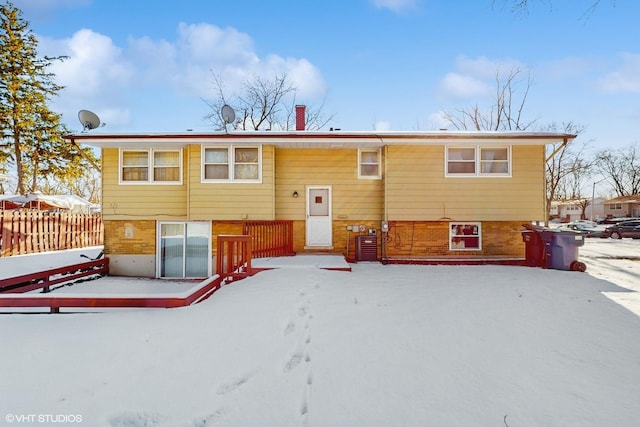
(291, 326)
(293, 362)
(232, 385)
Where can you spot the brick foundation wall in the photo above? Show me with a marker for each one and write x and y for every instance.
(405, 239)
(136, 237)
(416, 239)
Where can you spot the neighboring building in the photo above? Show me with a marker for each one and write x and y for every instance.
(425, 195)
(44, 202)
(571, 210)
(621, 207)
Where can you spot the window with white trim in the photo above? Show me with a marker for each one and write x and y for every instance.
(150, 166)
(483, 161)
(231, 164)
(465, 236)
(369, 164)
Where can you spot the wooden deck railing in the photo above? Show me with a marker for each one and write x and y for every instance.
(46, 279)
(233, 259)
(25, 232)
(270, 238)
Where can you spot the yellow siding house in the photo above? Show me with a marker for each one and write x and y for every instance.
(389, 196)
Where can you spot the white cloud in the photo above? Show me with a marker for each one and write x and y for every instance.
(94, 65)
(95, 75)
(206, 43)
(382, 125)
(626, 78)
(464, 86)
(475, 78)
(187, 65)
(110, 79)
(396, 6)
(302, 75)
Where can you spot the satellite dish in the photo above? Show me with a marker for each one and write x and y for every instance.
(228, 115)
(88, 119)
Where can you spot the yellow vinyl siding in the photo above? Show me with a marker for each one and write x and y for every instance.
(418, 190)
(230, 201)
(352, 198)
(148, 201)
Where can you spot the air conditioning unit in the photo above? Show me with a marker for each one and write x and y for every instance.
(366, 248)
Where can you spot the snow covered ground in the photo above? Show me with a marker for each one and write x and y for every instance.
(394, 345)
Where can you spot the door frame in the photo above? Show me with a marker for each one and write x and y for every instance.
(329, 229)
(159, 258)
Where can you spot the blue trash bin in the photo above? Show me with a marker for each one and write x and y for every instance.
(561, 250)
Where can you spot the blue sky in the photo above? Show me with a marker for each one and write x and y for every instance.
(376, 64)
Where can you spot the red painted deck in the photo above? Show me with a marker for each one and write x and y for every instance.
(19, 298)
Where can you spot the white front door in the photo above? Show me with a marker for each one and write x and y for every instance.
(319, 216)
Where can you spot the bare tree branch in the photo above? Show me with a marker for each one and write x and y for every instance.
(621, 167)
(507, 112)
(263, 104)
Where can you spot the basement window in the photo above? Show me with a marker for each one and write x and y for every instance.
(465, 236)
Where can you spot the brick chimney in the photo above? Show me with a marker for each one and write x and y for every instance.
(300, 117)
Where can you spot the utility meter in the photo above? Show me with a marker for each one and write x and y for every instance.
(384, 226)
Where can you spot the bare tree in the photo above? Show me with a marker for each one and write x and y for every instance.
(263, 105)
(507, 111)
(567, 167)
(621, 167)
(522, 6)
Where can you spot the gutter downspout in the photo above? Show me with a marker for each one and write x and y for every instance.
(552, 155)
(96, 167)
(383, 235)
(188, 169)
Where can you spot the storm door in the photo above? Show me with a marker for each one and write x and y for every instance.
(319, 217)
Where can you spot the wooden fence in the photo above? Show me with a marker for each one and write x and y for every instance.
(26, 231)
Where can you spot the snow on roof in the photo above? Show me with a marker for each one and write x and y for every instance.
(635, 198)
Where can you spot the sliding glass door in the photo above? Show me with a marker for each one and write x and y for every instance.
(185, 249)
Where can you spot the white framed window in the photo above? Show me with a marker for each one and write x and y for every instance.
(150, 166)
(615, 206)
(369, 163)
(478, 161)
(465, 236)
(232, 163)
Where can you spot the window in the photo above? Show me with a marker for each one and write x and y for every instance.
(465, 236)
(615, 206)
(494, 161)
(184, 249)
(478, 161)
(150, 166)
(232, 163)
(369, 164)
(461, 161)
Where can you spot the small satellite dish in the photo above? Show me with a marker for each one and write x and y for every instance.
(228, 115)
(88, 119)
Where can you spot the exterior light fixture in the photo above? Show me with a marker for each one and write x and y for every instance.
(295, 194)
